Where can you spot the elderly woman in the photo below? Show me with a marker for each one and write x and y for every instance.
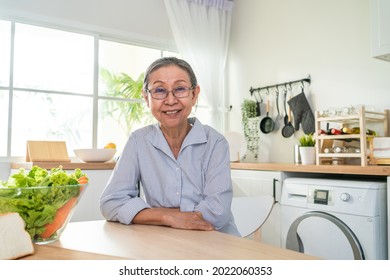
(182, 165)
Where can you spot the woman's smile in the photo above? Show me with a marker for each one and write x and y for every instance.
(172, 112)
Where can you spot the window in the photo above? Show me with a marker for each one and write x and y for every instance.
(54, 87)
(49, 59)
(3, 122)
(5, 45)
(117, 116)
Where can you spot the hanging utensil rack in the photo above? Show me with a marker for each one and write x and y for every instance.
(290, 83)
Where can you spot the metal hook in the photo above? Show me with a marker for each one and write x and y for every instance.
(256, 98)
(277, 92)
(302, 87)
(261, 98)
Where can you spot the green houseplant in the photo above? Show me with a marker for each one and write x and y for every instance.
(250, 121)
(307, 140)
(130, 111)
(307, 150)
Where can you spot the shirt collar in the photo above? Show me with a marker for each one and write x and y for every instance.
(196, 135)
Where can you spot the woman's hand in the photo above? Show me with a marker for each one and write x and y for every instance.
(172, 217)
(187, 220)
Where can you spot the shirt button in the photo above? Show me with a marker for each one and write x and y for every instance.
(177, 193)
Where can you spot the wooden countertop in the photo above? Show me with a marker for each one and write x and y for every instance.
(65, 165)
(146, 242)
(375, 170)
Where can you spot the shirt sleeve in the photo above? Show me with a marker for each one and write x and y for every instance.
(119, 200)
(218, 193)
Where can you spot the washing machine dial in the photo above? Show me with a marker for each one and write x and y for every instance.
(345, 196)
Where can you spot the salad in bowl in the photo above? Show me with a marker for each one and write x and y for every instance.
(45, 199)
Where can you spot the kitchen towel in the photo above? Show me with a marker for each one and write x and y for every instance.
(302, 113)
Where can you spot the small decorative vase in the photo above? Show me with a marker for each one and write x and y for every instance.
(308, 155)
(252, 139)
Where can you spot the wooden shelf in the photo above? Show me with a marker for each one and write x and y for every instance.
(339, 137)
(361, 120)
(340, 155)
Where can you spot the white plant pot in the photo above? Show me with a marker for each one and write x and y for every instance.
(308, 155)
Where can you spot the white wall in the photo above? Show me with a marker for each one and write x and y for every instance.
(282, 40)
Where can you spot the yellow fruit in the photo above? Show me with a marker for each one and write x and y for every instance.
(355, 130)
(347, 130)
(110, 146)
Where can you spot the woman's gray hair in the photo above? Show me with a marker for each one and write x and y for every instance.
(166, 61)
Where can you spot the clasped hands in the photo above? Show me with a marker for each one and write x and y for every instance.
(172, 217)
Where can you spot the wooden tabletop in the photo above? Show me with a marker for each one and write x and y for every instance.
(44, 252)
(143, 242)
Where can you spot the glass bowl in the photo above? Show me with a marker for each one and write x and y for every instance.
(45, 210)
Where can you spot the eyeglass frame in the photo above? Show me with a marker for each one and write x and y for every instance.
(188, 89)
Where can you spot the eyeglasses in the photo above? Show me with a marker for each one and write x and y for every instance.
(162, 93)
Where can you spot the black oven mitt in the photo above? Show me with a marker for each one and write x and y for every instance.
(302, 113)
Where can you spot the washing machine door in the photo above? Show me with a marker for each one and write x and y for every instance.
(323, 235)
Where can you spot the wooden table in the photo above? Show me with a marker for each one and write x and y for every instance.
(144, 242)
(45, 252)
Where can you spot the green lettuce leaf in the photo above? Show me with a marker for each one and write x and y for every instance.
(38, 194)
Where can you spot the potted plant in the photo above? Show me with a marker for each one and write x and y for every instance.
(250, 121)
(307, 150)
(127, 113)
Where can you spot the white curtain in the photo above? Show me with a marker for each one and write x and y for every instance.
(201, 29)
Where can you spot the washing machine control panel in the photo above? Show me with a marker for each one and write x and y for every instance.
(321, 196)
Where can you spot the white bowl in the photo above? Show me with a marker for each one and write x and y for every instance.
(95, 155)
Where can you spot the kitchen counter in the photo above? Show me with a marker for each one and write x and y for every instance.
(371, 170)
(374, 170)
(146, 242)
(66, 165)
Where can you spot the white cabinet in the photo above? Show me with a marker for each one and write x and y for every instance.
(388, 217)
(253, 183)
(380, 29)
(88, 208)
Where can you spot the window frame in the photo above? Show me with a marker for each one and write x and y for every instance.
(95, 87)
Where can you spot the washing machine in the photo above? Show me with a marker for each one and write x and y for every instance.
(334, 219)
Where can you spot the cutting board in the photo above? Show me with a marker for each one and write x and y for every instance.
(46, 151)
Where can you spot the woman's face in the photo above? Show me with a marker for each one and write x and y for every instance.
(171, 112)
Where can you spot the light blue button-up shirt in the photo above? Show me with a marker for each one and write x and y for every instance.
(198, 180)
